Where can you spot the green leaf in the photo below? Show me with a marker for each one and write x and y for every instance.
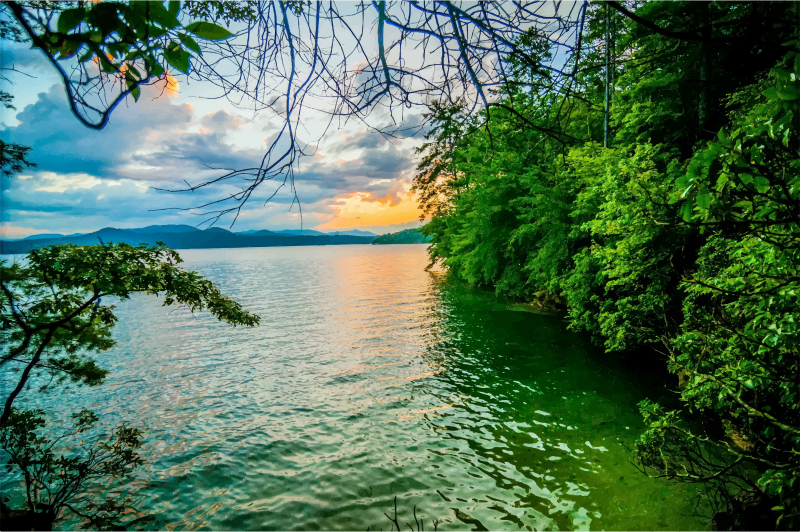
(104, 17)
(156, 32)
(107, 66)
(86, 56)
(154, 68)
(177, 57)
(674, 199)
(132, 74)
(686, 212)
(704, 200)
(136, 92)
(160, 14)
(174, 6)
(761, 183)
(69, 48)
(788, 92)
(154, 11)
(209, 31)
(190, 43)
(69, 18)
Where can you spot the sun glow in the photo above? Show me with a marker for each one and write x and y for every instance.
(362, 209)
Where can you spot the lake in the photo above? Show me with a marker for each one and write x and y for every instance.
(369, 379)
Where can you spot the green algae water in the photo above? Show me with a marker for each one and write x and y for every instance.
(369, 379)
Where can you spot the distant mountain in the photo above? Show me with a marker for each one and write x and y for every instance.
(44, 235)
(255, 232)
(408, 236)
(165, 229)
(148, 229)
(308, 232)
(183, 237)
(219, 230)
(354, 232)
(304, 232)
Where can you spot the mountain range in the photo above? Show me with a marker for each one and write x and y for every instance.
(310, 232)
(188, 237)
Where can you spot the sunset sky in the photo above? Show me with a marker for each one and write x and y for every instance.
(86, 179)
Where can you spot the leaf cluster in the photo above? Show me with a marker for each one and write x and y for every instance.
(56, 311)
(62, 474)
(680, 241)
(132, 42)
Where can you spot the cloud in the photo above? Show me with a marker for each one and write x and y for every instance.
(8, 230)
(20, 57)
(64, 182)
(362, 140)
(221, 120)
(373, 170)
(152, 140)
(87, 179)
(362, 209)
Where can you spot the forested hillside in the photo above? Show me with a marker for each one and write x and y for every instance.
(407, 236)
(185, 237)
(660, 202)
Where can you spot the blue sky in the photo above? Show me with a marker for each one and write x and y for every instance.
(88, 179)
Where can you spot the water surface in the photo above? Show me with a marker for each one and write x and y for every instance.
(370, 378)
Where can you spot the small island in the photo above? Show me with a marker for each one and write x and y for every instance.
(407, 236)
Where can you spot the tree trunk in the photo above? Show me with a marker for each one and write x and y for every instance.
(608, 75)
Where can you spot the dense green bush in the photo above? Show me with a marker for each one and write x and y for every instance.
(681, 239)
(406, 236)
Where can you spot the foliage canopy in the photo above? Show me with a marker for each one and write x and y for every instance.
(56, 311)
(680, 240)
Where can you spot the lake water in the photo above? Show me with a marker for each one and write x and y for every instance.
(370, 378)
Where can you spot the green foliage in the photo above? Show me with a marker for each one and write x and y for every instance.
(682, 239)
(208, 30)
(225, 10)
(739, 343)
(5, 100)
(407, 236)
(14, 159)
(135, 41)
(55, 311)
(622, 285)
(54, 315)
(69, 472)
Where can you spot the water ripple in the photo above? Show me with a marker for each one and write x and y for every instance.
(368, 379)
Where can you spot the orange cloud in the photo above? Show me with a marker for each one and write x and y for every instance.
(7, 230)
(172, 88)
(361, 209)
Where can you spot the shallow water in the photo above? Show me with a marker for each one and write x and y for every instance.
(370, 378)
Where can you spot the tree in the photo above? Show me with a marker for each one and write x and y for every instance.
(738, 348)
(678, 242)
(118, 46)
(53, 311)
(56, 310)
(70, 481)
(280, 56)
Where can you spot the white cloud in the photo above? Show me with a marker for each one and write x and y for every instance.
(64, 182)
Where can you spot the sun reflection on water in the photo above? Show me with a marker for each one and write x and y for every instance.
(371, 378)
